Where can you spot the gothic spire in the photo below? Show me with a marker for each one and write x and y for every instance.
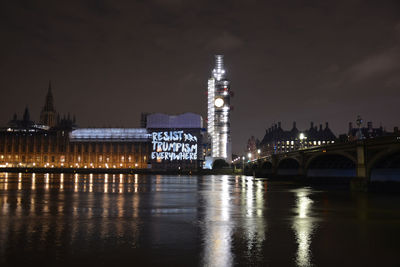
(48, 115)
(26, 116)
(49, 105)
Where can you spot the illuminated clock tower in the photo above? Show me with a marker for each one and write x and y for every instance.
(219, 112)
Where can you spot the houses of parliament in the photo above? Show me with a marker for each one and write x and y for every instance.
(56, 142)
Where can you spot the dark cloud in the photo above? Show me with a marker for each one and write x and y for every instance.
(288, 60)
(224, 42)
(376, 65)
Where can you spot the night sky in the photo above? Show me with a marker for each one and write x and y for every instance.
(287, 60)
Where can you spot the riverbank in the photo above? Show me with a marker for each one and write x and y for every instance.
(124, 171)
(354, 184)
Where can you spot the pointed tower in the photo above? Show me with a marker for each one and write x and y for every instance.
(48, 115)
(219, 112)
(26, 116)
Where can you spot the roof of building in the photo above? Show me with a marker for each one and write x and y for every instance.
(109, 134)
(276, 133)
(186, 120)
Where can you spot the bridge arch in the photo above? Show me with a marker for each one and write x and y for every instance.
(331, 165)
(288, 166)
(385, 166)
(266, 165)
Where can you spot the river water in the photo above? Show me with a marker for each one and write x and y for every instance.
(222, 220)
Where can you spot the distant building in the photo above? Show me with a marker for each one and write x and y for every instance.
(253, 145)
(276, 140)
(355, 133)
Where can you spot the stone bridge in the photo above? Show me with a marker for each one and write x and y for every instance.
(376, 159)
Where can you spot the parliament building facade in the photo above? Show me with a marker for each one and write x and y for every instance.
(56, 142)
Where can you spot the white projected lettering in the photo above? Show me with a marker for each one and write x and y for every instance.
(174, 145)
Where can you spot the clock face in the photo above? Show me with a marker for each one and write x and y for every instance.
(219, 102)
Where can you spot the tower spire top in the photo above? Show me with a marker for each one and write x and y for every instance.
(49, 105)
(219, 70)
(48, 114)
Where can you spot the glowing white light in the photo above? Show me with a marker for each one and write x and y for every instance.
(303, 227)
(219, 102)
(174, 145)
(88, 134)
(218, 120)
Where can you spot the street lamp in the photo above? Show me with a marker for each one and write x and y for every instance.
(249, 156)
(302, 137)
(243, 163)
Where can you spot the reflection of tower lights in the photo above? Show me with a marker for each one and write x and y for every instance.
(47, 181)
(218, 231)
(121, 181)
(106, 183)
(260, 198)
(303, 228)
(136, 183)
(91, 182)
(249, 197)
(19, 181)
(6, 182)
(33, 181)
(76, 183)
(61, 181)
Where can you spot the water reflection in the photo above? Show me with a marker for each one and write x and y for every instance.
(303, 226)
(217, 236)
(187, 221)
(62, 211)
(233, 209)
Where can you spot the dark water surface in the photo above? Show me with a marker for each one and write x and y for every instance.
(137, 220)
